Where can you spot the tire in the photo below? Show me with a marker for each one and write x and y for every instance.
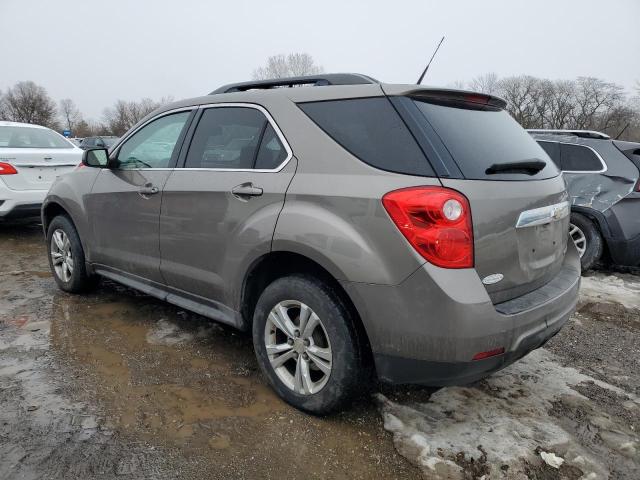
(69, 271)
(317, 392)
(581, 226)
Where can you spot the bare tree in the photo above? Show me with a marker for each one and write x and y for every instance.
(70, 114)
(29, 103)
(521, 93)
(292, 65)
(487, 83)
(124, 115)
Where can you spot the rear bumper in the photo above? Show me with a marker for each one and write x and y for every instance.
(20, 203)
(428, 329)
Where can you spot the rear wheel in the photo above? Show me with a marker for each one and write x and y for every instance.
(306, 344)
(66, 256)
(587, 240)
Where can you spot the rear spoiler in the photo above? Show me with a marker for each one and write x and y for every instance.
(459, 98)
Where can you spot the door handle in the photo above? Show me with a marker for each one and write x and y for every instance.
(148, 189)
(246, 190)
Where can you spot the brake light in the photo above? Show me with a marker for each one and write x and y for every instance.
(7, 169)
(437, 223)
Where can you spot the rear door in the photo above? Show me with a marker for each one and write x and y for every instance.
(38, 154)
(219, 211)
(518, 200)
(123, 207)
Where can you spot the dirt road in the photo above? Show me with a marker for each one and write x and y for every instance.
(118, 385)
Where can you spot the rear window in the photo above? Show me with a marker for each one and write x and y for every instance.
(28, 137)
(576, 158)
(372, 130)
(479, 139)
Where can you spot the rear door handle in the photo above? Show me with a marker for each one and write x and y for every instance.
(148, 189)
(246, 190)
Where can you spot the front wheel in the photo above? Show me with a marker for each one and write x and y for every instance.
(306, 345)
(587, 240)
(66, 256)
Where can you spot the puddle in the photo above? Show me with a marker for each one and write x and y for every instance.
(123, 386)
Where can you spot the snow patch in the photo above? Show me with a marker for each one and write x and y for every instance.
(552, 459)
(502, 420)
(621, 288)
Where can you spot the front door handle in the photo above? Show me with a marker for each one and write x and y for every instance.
(148, 189)
(246, 190)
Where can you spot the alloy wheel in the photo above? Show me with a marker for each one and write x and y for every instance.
(579, 238)
(61, 256)
(298, 347)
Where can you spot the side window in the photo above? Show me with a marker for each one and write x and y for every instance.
(553, 150)
(88, 142)
(372, 130)
(226, 137)
(153, 145)
(576, 158)
(271, 153)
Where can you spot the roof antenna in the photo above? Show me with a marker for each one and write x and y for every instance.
(431, 60)
(622, 131)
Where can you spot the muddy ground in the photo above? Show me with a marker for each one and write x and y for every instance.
(115, 384)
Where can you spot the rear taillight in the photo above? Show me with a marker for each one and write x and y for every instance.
(437, 223)
(7, 169)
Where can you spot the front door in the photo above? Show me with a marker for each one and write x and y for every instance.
(124, 205)
(220, 210)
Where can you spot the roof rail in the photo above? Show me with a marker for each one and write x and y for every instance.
(577, 133)
(313, 80)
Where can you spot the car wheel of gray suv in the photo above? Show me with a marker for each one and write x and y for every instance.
(587, 239)
(66, 256)
(306, 344)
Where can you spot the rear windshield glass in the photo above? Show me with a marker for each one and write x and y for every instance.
(480, 139)
(372, 130)
(28, 137)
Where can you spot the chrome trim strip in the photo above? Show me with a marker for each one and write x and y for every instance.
(543, 215)
(602, 162)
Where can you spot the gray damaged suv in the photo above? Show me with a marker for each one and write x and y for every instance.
(603, 181)
(358, 229)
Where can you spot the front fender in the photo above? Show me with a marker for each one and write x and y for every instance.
(68, 193)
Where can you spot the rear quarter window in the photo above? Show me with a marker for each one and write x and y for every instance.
(576, 158)
(372, 130)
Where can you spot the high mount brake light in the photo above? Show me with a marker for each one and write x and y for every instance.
(7, 169)
(437, 223)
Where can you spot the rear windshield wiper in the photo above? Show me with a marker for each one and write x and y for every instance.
(528, 168)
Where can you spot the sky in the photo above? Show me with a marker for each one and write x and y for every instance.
(98, 51)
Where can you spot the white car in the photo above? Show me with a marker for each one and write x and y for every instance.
(31, 157)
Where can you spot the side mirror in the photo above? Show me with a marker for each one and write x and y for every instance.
(95, 157)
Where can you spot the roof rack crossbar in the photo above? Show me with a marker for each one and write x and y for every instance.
(577, 133)
(314, 80)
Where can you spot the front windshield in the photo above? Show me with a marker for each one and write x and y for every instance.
(30, 137)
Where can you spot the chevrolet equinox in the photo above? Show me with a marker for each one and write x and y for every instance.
(359, 230)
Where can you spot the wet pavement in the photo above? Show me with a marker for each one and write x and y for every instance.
(115, 384)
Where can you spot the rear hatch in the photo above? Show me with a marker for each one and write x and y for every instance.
(38, 155)
(518, 198)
